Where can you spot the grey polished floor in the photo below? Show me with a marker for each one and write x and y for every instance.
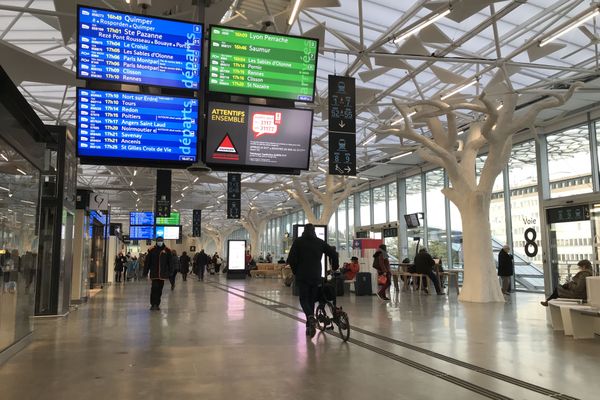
(241, 340)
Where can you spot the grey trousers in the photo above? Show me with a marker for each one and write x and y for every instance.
(505, 283)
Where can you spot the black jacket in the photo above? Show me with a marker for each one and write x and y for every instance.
(120, 262)
(159, 263)
(505, 264)
(184, 264)
(201, 259)
(305, 258)
(424, 263)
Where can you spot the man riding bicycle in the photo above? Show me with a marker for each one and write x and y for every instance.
(305, 260)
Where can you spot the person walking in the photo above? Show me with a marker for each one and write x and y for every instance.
(202, 262)
(184, 265)
(216, 260)
(381, 262)
(120, 263)
(158, 266)
(305, 260)
(506, 268)
(424, 264)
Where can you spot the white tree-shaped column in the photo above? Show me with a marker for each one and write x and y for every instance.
(254, 225)
(457, 155)
(330, 195)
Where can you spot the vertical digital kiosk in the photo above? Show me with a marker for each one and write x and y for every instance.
(236, 259)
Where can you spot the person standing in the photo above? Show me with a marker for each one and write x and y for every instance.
(216, 260)
(201, 263)
(175, 263)
(184, 265)
(158, 265)
(424, 264)
(506, 268)
(381, 262)
(305, 260)
(120, 263)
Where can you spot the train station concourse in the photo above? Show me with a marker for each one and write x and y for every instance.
(299, 199)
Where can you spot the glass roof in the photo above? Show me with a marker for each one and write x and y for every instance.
(477, 40)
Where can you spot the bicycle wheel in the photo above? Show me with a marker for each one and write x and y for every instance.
(322, 319)
(343, 324)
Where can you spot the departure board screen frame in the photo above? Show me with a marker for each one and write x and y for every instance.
(87, 158)
(167, 232)
(197, 77)
(141, 232)
(173, 219)
(147, 217)
(213, 141)
(265, 92)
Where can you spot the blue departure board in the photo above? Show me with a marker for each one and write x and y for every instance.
(135, 126)
(141, 218)
(138, 49)
(141, 232)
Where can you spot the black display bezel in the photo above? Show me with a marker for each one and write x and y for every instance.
(87, 78)
(207, 75)
(232, 167)
(136, 162)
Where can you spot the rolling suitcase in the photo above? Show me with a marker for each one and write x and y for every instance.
(362, 285)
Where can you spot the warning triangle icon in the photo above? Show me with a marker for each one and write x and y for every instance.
(226, 146)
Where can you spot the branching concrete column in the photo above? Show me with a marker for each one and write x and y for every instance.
(498, 123)
(254, 225)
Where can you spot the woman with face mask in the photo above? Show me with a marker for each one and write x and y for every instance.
(159, 265)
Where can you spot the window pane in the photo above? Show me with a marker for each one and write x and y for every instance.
(497, 211)
(342, 228)
(350, 218)
(569, 164)
(379, 216)
(524, 206)
(365, 208)
(436, 215)
(393, 202)
(414, 202)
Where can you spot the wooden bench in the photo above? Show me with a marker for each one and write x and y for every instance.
(408, 275)
(267, 270)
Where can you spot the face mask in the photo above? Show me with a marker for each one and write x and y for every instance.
(160, 244)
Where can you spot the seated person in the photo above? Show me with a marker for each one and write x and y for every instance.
(424, 265)
(575, 288)
(269, 258)
(349, 270)
(281, 261)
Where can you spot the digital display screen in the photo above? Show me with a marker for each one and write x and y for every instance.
(172, 219)
(412, 220)
(141, 232)
(121, 125)
(141, 218)
(168, 232)
(137, 49)
(262, 64)
(236, 255)
(258, 136)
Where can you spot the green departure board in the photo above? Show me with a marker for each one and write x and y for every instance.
(262, 64)
(172, 219)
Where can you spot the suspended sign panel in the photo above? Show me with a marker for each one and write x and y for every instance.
(342, 154)
(342, 104)
(260, 64)
(250, 137)
(121, 127)
(137, 49)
